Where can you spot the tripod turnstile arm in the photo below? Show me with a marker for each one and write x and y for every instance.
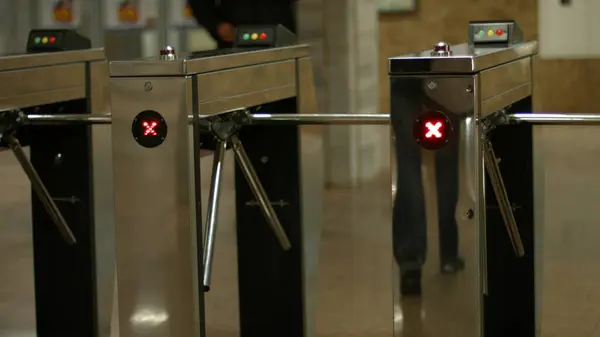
(303, 119)
(491, 165)
(212, 212)
(40, 190)
(259, 192)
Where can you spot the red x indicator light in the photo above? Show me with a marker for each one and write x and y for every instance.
(432, 130)
(149, 129)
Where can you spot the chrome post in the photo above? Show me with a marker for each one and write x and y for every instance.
(212, 211)
(259, 192)
(491, 165)
(40, 190)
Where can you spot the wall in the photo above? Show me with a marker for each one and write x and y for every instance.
(343, 35)
(561, 85)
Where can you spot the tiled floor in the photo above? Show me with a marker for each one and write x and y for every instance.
(356, 285)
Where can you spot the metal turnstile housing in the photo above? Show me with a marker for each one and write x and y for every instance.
(75, 278)
(157, 193)
(495, 294)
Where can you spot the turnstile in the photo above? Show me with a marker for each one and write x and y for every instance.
(159, 219)
(71, 192)
(472, 105)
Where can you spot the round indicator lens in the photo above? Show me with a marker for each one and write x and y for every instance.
(254, 36)
(490, 32)
(246, 36)
(149, 129)
(44, 40)
(52, 39)
(263, 36)
(432, 130)
(499, 32)
(37, 40)
(481, 33)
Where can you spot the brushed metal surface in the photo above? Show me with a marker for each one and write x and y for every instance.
(508, 97)
(155, 241)
(243, 80)
(423, 180)
(503, 78)
(24, 61)
(99, 96)
(52, 84)
(312, 184)
(247, 100)
(188, 64)
(464, 59)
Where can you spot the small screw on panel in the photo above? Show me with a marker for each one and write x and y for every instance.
(148, 86)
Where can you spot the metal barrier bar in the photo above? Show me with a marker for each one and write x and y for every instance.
(212, 211)
(491, 165)
(41, 191)
(259, 192)
(67, 119)
(299, 119)
(556, 118)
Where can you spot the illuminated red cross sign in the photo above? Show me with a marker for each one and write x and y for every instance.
(433, 130)
(149, 128)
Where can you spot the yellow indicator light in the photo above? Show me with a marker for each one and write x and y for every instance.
(44, 40)
(254, 36)
(490, 32)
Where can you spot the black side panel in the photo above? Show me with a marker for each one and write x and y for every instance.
(510, 306)
(270, 279)
(65, 282)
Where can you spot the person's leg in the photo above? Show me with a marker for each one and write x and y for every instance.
(408, 219)
(447, 175)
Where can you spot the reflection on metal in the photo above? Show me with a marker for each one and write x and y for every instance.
(491, 165)
(40, 190)
(259, 192)
(280, 203)
(66, 119)
(212, 211)
(467, 148)
(555, 118)
(300, 119)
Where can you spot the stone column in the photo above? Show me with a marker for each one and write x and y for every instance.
(343, 35)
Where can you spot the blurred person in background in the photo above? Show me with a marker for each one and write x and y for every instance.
(221, 17)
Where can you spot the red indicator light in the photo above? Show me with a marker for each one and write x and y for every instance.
(499, 32)
(149, 128)
(263, 36)
(432, 130)
(52, 39)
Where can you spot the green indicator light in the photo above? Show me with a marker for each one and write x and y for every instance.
(246, 36)
(481, 33)
(37, 40)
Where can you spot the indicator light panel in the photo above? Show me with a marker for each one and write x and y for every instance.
(263, 36)
(494, 33)
(51, 40)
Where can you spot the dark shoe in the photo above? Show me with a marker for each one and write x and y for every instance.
(410, 283)
(453, 266)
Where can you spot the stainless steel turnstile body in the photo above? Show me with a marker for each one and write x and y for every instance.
(157, 214)
(467, 85)
(78, 278)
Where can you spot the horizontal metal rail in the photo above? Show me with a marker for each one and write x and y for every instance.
(67, 119)
(343, 119)
(555, 118)
(347, 119)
